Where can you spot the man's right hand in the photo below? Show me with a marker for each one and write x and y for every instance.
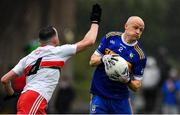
(96, 14)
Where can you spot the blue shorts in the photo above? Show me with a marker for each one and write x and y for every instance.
(100, 105)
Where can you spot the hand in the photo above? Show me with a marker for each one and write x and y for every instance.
(108, 60)
(15, 95)
(125, 79)
(95, 16)
(122, 79)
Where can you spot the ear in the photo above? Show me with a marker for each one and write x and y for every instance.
(52, 39)
(40, 41)
(125, 26)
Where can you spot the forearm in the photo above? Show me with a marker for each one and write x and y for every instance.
(6, 81)
(8, 88)
(91, 35)
(89, 39)
(95, 60)
(95, 18)
(134, 85)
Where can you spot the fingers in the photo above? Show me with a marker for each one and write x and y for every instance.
(96, 14)
(97, 8)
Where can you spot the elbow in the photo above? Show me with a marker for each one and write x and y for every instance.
(135, 86)
(91, 63)
(95, 60)
(4, 80)
(136, 89)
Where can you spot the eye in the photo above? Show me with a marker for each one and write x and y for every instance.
(141, 29)
(135, 27)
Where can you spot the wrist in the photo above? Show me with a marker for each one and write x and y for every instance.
(95, 22)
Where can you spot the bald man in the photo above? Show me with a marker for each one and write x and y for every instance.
(111, 96)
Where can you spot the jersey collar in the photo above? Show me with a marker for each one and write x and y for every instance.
(122, 37)
(46, 46)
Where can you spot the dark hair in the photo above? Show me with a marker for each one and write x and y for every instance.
(46, 33)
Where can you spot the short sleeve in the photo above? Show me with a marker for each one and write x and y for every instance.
(102, 46)
(66, 50)
(19, 68)
(138, 69)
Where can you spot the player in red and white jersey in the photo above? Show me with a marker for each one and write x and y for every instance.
(42, 66)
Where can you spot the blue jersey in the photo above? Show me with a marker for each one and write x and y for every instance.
(113, 42)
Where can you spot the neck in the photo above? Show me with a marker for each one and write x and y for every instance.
(128, 39)
(47, 43)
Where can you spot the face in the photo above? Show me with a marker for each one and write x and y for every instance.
(134, 28)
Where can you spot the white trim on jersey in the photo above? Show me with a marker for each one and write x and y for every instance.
(138, 77)
(98, 53)
(122, 37)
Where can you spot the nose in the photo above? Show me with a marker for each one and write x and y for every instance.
(137, 31)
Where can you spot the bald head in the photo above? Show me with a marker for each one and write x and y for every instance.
(133, 28)
(135, 20)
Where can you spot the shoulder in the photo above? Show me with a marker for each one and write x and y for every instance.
(112, 34)
(67, 46)
(140, 52)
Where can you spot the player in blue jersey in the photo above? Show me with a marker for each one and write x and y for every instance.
(112, 96)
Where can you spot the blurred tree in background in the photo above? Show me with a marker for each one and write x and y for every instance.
(21, 19)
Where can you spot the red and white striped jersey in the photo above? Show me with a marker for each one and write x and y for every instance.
(42, 76)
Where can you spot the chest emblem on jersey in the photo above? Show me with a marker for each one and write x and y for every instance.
(131, 55)
(93, 109)
(142, 71)
(112, 42)
(38, 52)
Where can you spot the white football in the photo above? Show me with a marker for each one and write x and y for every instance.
(118, 71)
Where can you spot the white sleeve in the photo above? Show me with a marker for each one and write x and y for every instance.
(67, 50)
(98, 53)
(19, 68)
(138, 77)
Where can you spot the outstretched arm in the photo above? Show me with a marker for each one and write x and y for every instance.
(90, 37)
